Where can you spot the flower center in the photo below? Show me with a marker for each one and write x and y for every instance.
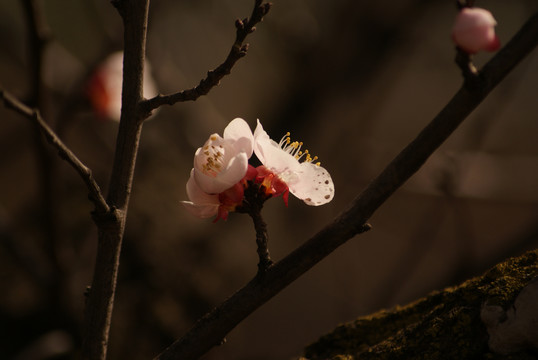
(214, 158)
(294, 148)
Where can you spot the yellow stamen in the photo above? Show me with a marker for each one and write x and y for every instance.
(294, 149)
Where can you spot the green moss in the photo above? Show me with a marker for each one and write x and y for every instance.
(444, 325)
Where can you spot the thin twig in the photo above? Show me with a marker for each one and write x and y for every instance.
(253, 201)
(261, 240)
(38, 37)
(238, 50)
(65, 153)
(465, 63)
(213, 327)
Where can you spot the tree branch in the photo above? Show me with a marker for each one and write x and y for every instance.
(254, 210)
(65, 153)
(238, 50)
(39, 35)
(38, 38)
(213, 327)
(100, 302)
(261, 241)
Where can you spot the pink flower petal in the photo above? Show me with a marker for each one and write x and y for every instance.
(474, 31)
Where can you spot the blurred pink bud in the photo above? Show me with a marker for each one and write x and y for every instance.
(474, 31)
(104, 87)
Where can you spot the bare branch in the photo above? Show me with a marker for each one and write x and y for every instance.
(238, 50)
(464, 61)
(38, 38)
(65, 153)
(213, 327)
(100, 302)
(39, 35)
(261, 241)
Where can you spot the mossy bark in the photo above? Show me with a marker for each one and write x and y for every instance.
(444, 325)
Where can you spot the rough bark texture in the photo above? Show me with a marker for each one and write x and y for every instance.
(444, 325)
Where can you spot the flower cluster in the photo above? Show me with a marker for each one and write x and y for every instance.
(474, 31)
(222, 172)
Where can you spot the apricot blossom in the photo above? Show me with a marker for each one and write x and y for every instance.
(223, 161)
(287, 168)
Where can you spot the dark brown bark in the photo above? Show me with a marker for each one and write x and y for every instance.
(100, 302)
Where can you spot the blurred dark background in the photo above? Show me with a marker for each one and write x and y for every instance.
(355, 80)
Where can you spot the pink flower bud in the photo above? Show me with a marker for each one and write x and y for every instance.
(104, 86)
(474, 31)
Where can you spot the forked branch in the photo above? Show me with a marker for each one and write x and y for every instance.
(238, 50)
(65, 153)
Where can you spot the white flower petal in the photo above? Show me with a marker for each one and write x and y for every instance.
(201, 211)
(200, 156)
(199, 159)
(201, 204)
(271, 154)
(239, 132)
(197, 195)
(212, 165)
(260, 140)
(314, 186)
(235, 171)
(210, 185)
(306, 180)
(223, 161)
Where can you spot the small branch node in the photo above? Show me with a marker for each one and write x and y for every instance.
(243, 27)
(468, 70)
(105, 219)
(239, 24)
(11, 102)
(460, 4)
(364, 228)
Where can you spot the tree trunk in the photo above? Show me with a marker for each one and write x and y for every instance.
(493, 316)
